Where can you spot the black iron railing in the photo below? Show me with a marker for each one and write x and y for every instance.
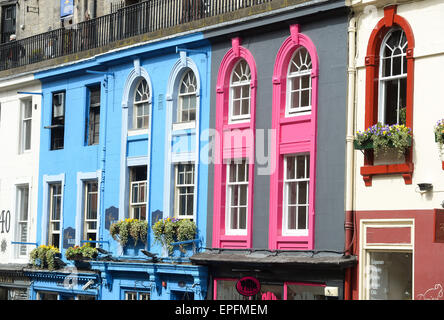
(144, 17)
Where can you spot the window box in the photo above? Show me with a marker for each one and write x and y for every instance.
(368, 145)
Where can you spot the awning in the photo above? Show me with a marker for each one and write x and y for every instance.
(267, 258)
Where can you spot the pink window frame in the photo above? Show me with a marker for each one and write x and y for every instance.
(286, 284)
(226, 150)
(294, 134)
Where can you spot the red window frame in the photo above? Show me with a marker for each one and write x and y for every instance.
(391, 19)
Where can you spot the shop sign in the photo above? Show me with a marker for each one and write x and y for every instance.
(66, 8)
(248, 286)
(439, 225)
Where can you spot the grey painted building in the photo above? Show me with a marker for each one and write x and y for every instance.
(325, 263)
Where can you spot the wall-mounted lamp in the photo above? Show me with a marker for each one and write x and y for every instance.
(164, 284)
(424, 187)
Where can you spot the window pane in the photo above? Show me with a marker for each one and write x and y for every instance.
(190, 200)
(234, 224)
(305, 98)
(232, 171)
(305, 292)
(290, 168)
(391, 102)
(292, 192)
(302, 217)
(294, 100)
(245, 106)
(292, 217)
(303, 192)
(300, 165)
(236, 108)
(390, 275)
(243, 194)
(305, 82)
(234, 196)
(242, 218)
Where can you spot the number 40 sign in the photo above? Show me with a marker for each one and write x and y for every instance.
(5, 221)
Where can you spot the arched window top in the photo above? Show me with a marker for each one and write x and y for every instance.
(300, 63)
(394, 53)
(240, 96)
(142, 92)
(141, 112)
(187, 104)
(188, 84)
(241, 73)
(299, 83)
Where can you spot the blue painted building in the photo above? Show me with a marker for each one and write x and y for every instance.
(120, 138)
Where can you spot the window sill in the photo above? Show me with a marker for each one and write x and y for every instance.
(136, 132)
(184, 125)
(405, 169)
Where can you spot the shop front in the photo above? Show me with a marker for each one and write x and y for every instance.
(275, 275)
(14, 285)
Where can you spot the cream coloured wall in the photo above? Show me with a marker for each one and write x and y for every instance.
(18, 168)
(389, 192)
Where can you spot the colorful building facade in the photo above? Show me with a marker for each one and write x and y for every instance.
(117, 135)
(395, 202)
(276, 212)
(20, 106)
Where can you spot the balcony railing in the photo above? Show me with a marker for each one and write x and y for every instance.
(141, 18)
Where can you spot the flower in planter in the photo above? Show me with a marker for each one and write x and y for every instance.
(381, 138)
(129, 228)
(171, 230)
(439, 133)
(45, 256)
(85, 252)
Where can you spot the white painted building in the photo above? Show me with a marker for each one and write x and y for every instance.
(396, 61)
(20, 110)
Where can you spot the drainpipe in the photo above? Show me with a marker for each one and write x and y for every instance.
(349, 194)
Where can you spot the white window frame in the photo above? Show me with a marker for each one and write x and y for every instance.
(138, 295)
(25, 125)
(140, 104)
(285, 188)
(86, 221)
(181, 95)
(178, 194)
(52, 221)
(21, 221)
(93, 126)
(367, 248)
(289, 111)
(228, 206)
(134, 205)
(242, 83)
(383, 80)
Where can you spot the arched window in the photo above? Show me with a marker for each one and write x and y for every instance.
(240, 91)
(393, 78)
(389, 68)
(141, 110)
(293, 180)
(299, 82)
(186, 110)
(234, 149)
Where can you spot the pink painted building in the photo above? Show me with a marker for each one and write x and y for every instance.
(276, 208)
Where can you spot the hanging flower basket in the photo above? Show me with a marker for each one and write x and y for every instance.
(44, 257)
(128, 229)
(85, 252)
(170, 230)
(439, 132)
